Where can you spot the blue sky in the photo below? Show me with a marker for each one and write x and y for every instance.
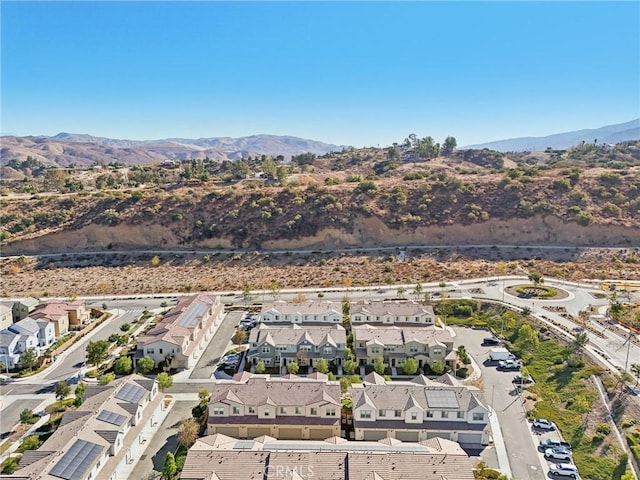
(347, 73)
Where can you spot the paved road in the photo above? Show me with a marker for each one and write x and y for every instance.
(217, 346)
(150, 465)
(516, 430)
(72, 362)
(10, 414)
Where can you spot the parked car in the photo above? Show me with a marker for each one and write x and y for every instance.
(519, 379)
(551, 443)
(564, 469)
(510, 364)
(5, 379)
(633, 390)
(490, 341)
(557, 453)
(543, 424)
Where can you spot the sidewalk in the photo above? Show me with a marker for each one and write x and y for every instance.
(498, 443)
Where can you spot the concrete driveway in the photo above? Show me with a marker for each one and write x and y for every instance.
(217, 346)
(150, 465)
(520, 443)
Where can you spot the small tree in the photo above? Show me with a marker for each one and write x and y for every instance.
(155, 261)
(97, 352)
(378, 366)
(79, 393)
(188, 432)
(293, 368)
(164, 381)
(449, 146)
(170, 468)
(417, 290)
(536, 278)
(28, 358)
(204, 396)
(27, 416)
(125, 327)
(322, 366)
(274, 288)
(350, 366)
(246, 293)
(62, 390)
(579, 342)
(409, 366)
(239, 337)
(438, 367)
(107, 378)
(123, 366)
(145, 365)
(260, 367)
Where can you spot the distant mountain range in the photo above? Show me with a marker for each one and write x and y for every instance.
(84, 150)
(609, 134)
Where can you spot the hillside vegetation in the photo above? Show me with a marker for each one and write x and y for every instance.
(370, 197)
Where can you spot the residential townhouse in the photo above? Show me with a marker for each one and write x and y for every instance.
(42, 329)
(289, 407)
(303, 312)
(6, 317)
(419, 410)
(23, 307)
(184, 332)
(221, 457)
(390, 313)
(55, 313)
(394, 344)
(277, 346)
(96, 440)
(9, 352)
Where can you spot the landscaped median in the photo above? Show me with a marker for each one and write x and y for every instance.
(564, 391)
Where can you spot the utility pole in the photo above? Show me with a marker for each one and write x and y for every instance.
(626, 362)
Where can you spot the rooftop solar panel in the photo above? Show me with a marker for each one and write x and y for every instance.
(192, 314)
(442, 399)
(111, 417)
(77, 461)
(130, 393)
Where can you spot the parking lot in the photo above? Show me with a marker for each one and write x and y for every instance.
(521, 442)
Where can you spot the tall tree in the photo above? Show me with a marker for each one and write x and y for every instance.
(322, 366)
(62, 390)
(580, 341)
(449, 145)
(188, 432)
(28, 358)
(145, 365)
(164, 381)
(97, 352)
(170, 468)
(123, 366)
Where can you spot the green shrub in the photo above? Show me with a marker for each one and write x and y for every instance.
(604, 428)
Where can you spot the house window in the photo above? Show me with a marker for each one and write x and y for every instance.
(444, 414)
(252, 409)
(331, 412)
(382, 413)
(277, 317)
(413, 349)
(283, 410)
(150, 350)
(375, 350)
(266, 413)
(437, 351)
(236, 411)
(314, 411)
(218, 411)
(414, 416)
(298, 410)
(460, 415)
(160, 350)
(265, 350)
(478, 417)
(365, 413)
(326, 350)
(397, 413)
(357, 318)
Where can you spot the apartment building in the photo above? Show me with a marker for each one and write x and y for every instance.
(304, 312)
(277, 346)
(391, 313)
(184, 332)
(394, 344)
(420, 409)
(95, 440)
(221, 457)
(289, 407)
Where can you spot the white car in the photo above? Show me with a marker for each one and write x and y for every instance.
(564, 469)
(557, 453)
(543, 424)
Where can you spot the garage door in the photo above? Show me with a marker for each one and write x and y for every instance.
(445, 435)
(319, 434)
(373, 435)
(474, 439)
(258, 432)
(290, 434)
(407, 436)
(230, 431)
